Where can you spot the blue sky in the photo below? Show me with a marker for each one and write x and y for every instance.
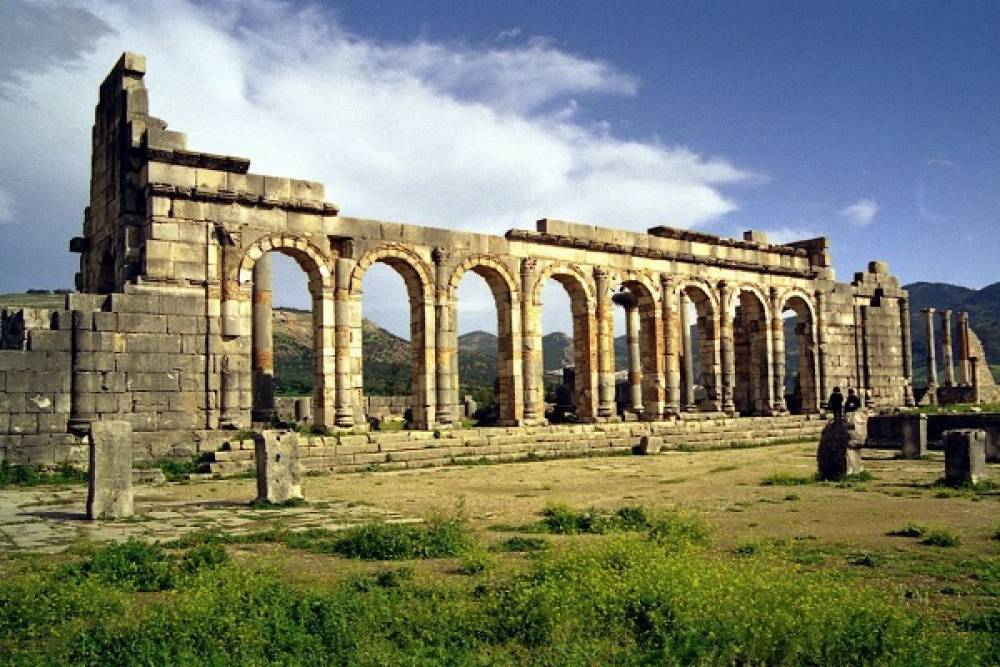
(875, 124)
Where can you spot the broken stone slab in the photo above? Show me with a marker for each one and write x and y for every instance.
(913, 436)
(964, 456)
(279, 469)
(839, 452)
(109, 488)
(649, 444)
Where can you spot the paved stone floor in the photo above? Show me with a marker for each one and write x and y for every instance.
(49, 519)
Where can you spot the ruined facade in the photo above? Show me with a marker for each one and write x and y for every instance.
(170, 329)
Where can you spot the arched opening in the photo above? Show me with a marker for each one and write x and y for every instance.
(569, 371)
(699, 351)
(752, 385)
(637, 388)
(800, 387)
(485, 372)
(392, 352)
(287, 342)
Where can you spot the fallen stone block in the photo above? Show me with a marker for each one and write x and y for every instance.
(279, 469)
(964, 456)
(913, 436)
(649, 444)
(840, 445)
(109, 489)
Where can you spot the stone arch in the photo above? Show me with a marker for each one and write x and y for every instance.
(804, 395)
(753, 354)
(645, 388)
(583, 303)
(506, 297)
(700, 361)
(254, 279)
(419, 282)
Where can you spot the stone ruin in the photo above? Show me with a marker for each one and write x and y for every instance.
(170, 327)
(975, 383)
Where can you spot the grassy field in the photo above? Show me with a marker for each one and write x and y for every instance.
(726, 557)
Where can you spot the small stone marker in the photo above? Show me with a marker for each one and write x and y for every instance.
(839, 452)
(650, 444)
(964, 456)
(913, 436)
(109, 489)
(279, 470)
(303, 409)
(470, 407)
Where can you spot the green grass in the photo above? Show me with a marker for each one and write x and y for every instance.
(30, 475)
(621, 599)
(520, 543)
(909, 530)
(941, 538)
(787, 479)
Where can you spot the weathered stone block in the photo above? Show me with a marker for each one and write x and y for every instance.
(913, 436)
(964, 456)
(650, 444)
(109, 491)
(840, 445)
(279, 470)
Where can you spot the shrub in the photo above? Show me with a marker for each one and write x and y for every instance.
(787, 479)
(941, 538)
(438, 538)
(31, 475)
(909, 530)
(521, 543)
(561, 520)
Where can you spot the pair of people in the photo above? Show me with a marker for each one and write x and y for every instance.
(839, 406)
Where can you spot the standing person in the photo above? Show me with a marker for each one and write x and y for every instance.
(853, 401)
(836, 403)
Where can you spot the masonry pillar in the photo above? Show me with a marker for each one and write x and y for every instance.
(931, 356)
(778, 352)
(689, 380)
(671, 345)
(445, 338)
(904, 322)
(727, 356)
(531, 350)
(262, 343)
(963, 348)
(822, 386)
(946, 351)
(344, 413)
(634, 367)
(973, 368)
(324, 399)
(605, 347)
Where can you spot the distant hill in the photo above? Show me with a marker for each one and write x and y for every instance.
(984, 317)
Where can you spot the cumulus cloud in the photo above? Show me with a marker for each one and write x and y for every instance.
(861, 212)
(789, 234)
(482, 137)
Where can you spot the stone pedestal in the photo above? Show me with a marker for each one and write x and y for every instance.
(964, 456)
(279, 471)
(649, 444)
(303, 410)
(109, 491)
(839, 452)
(913, 436)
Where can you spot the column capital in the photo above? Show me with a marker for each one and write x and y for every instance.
(440, 255)
(929, 310)
(601, 273)
(529, 265)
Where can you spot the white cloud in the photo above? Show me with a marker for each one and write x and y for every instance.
(513, 33)
(441, 134)
(861, 212)
(789, 234)
(6, 208)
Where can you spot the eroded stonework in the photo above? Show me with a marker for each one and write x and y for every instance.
(170, 330)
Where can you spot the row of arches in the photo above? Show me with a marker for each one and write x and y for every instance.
(690, 346)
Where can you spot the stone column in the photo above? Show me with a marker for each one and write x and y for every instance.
(446, 339)
(262, 343)
(671, 351)
(344, 414)
(605, 347)
(974, 370)
(727, 356)
(946, 351)
(685, 322)
(931, 356)
(634, 366)
(531, 350)
(822, 386)
(963, 348)
(778, 350)
(904, 321)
